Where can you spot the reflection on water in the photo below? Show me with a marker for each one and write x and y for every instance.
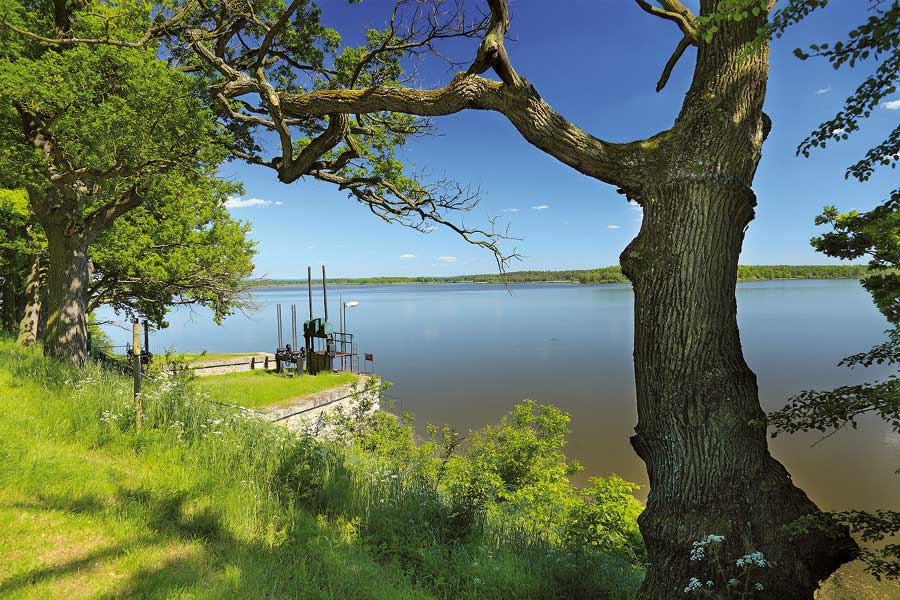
(464, 354)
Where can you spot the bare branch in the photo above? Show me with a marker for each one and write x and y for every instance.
(271, 32)
(101, 219)
(673, 60)
(423, 207)
(337, 130)
(674, 11)
(492, 51)
(522, 105)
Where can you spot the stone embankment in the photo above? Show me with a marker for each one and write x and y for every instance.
(304, 412)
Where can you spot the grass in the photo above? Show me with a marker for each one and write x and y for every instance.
(89, 512)
(256, 389)
(207, 502)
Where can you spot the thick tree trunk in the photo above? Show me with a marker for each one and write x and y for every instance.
(709, 466)
(65, 337)
(29, 322)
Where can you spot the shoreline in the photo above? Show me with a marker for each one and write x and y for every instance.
(293, 283)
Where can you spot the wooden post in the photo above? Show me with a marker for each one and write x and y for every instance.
(252, 363)
(136, 344)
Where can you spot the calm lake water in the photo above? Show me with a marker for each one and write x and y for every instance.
(465, 354)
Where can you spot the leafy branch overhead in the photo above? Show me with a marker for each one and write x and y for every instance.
(875, 40)
(260, 60)
(854, 235)
(343, 114)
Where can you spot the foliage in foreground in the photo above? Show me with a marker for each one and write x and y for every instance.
(210, 502)
(874, 234)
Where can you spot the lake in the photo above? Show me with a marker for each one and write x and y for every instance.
(464, 354)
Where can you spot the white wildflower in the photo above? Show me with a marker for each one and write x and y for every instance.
(693, 585)
(754, 559)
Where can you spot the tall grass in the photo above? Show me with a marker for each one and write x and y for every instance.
(267, 510)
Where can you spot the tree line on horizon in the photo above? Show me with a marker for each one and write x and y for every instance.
(611, 274)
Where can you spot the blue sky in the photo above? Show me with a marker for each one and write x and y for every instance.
(596, 62)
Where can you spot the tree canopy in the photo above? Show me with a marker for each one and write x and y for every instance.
(180, 248)
(95, 132)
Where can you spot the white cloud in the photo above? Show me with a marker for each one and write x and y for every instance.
(510, 210)
(824, 90)
(892, 105)
(427, 229)
(638, 210)
(446, 259)
(235, 202)
(407, 256)
(839, 131)
(540, 207)
(612, 226)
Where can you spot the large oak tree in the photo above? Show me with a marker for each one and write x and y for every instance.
(92, 133)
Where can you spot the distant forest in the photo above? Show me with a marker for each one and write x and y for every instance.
(599, 275)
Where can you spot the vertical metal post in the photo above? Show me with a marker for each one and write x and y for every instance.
(309, 288)
(278, 317)
(342, 313)
(146, 335)
(324, 293)
(136, 344)
(294, 327)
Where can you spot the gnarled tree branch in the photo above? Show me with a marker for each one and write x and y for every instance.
(674, 11)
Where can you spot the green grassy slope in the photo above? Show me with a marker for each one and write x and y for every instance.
(208, 503)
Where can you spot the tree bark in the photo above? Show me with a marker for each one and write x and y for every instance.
(67, 284)
(709, 466)
(28, 325)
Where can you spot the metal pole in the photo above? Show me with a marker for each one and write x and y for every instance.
(324, 293)
(146, 335)
(136, 366)
(343, 315)
(343, 347)
(294, 326)
(278, 315)
(309, 287)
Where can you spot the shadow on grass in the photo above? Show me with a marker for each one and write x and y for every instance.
(39, 575)
(165, 515)
(235, 567)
